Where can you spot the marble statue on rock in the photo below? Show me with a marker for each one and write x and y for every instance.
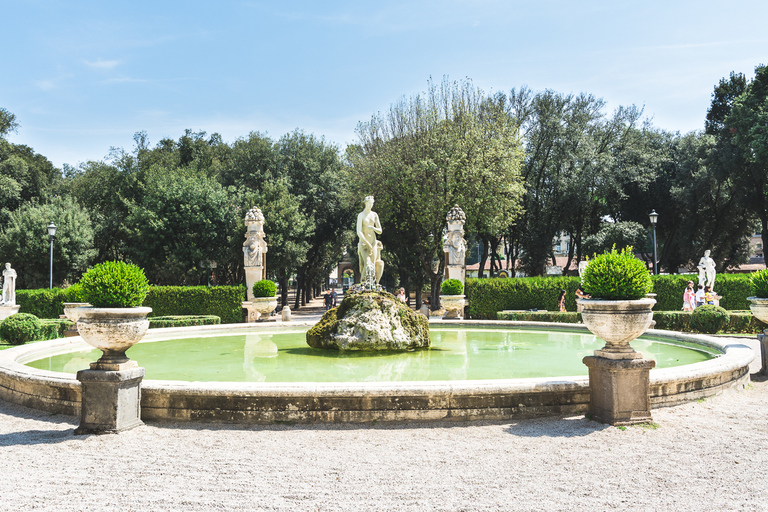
(9, 286)
(368, 248)
(707, 271)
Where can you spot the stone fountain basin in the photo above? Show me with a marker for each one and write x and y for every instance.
(369, 401)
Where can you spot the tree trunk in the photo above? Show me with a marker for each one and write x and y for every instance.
(434, 300)
(299, 287)
(483, 258)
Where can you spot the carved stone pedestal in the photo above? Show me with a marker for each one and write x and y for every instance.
(763, 339)
(619, 390)
(111, 401)
(6, 311)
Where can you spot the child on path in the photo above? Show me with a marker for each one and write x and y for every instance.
(689, 298)
(561, 301)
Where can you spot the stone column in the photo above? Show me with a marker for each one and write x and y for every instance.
(254, 249)
(455, 246)
(111, 400)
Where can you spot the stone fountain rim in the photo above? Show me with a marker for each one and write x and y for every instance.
(44, 389)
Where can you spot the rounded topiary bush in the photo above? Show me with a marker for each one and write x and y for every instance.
(20, 328)
(114, 284)
(709, 319)
(452, 287)
(74, 293)
(264, 288)
(616, 276)
(758, 283)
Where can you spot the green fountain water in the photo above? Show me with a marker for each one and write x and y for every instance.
(457, 353)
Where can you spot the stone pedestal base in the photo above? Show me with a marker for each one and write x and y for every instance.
(763, 339)
(619, 390)
(252, 276)
(6, 311)
(111, 401)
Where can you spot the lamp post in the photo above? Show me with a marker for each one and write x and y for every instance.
(51, 236)
(654, 218)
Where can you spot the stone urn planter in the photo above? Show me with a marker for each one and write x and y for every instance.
(454, 305)
(113, 331)
(619, 376)
(759, 308)
(617, 322)
(70, 310)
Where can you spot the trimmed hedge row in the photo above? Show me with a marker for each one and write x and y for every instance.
(738, 321)
(534, 316)
(221, 301)
(733, 288)
(486, 297)
(42, 303)
(182, 321)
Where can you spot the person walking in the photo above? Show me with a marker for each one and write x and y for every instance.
(700, 296)
(561, 301)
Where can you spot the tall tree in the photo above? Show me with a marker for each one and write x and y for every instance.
(748, 122)
(450, 145)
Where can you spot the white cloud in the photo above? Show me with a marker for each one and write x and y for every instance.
(102, 64)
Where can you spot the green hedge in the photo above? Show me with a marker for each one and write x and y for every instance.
(738, 322)
(42, 303)
(488, 296)
(221, 301)
(183, 321)
(733, 288)
(535, 316)
(54, 328)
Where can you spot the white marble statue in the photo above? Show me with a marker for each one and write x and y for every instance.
(455, 247)
(368, 248)
(707, 271)
(9, 286)
(254, 246)
(254, 249)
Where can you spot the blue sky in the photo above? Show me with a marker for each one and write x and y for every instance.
(82, 76)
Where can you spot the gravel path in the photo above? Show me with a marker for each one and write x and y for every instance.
(711, 455)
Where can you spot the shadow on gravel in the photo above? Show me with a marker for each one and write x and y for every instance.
(758, 377)
(33, 437)
(577, 426)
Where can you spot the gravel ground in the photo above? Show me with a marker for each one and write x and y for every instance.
(709, 455)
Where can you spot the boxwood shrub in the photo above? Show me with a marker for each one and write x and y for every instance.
(452, 287)
(759, 284)
(709, 319)
(264, 288)
(20, 328)
(617, 275)
(114, 284)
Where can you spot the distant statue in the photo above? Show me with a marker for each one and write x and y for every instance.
(457, 249)
(254, 246)
(368, 248)
(455, 245)
(707, 271)
(252, 250)
(9, 286)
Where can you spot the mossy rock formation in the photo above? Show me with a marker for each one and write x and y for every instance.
(370, 321)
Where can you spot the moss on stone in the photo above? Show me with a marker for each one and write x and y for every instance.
(323, 329)
(406, 329)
